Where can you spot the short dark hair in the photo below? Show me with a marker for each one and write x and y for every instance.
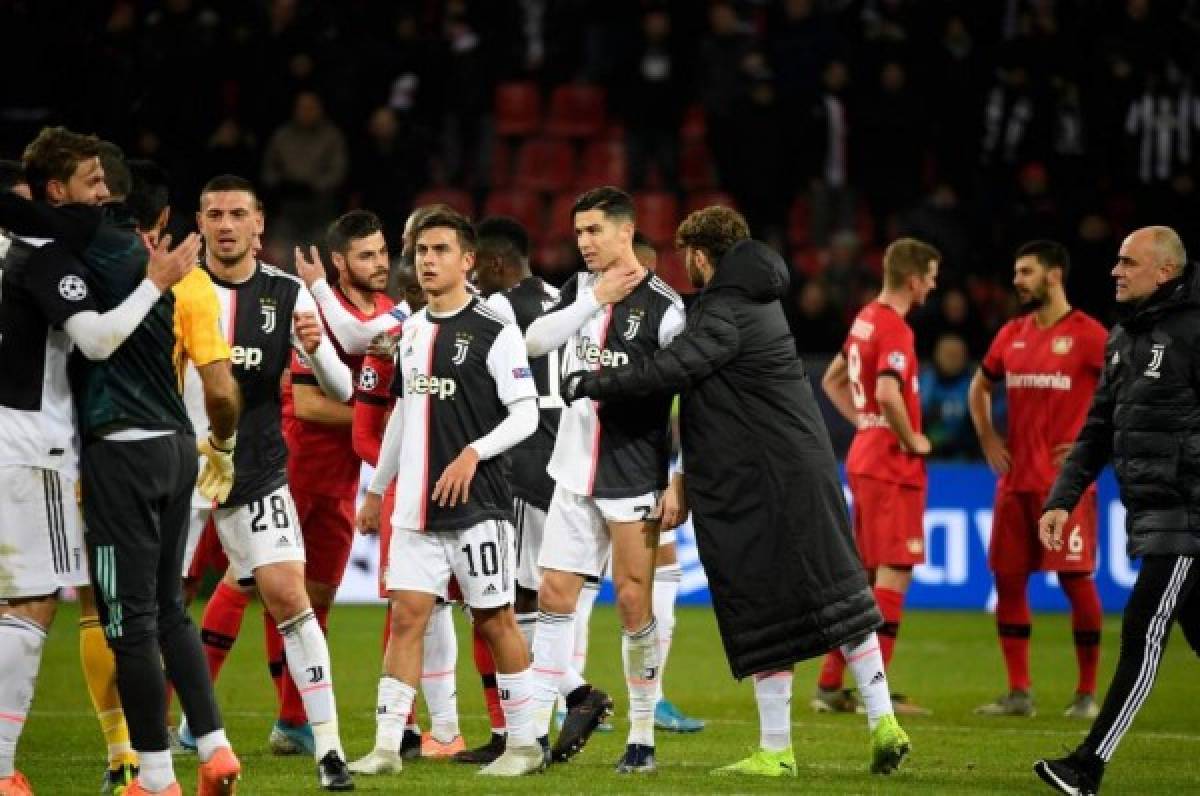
(54, 155)
(1051, 254)
(504, 234)
(355, 225)
(116, 172)
(228, 182)
(449, 219)
(613, 202)
(12, 174)
(714, 230)
(149, 193)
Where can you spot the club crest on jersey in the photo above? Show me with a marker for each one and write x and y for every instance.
(897, 360)
(1062, 345)
(633, 322)
(267, 308)
(462, 345)
(1156, 359)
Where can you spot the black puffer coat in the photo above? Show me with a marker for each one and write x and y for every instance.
(761, 479)
(1145, 416)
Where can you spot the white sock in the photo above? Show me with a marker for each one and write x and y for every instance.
(516, 699)
(639, 652)
(666, 588)
(439, 683)
(773, 692)
(583, 618)
(865, 661)
(392, 705)
(155, 770)
(208, 744)
(307, 654)
(21, 643)
(527, 624)
(551, 660)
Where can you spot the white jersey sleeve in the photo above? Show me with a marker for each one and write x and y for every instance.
(353, 335)
(500, 303)
(671, 325)
(509, 366)
(333, 376)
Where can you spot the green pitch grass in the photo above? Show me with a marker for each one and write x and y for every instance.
(947, 661)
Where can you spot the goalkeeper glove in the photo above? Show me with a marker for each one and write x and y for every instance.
(216, 479)
(569, 389)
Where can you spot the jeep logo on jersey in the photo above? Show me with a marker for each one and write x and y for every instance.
(440, 387)
(633, 322)
(462, 344)
(248, 356)
(267, 308)
(591, 354)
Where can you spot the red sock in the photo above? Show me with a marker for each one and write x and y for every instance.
(891, 605)
(221, 624)
(832, 669)
(291, 709)
(274, 646)
(1013, 627)
(1087, 618)
(486, 666)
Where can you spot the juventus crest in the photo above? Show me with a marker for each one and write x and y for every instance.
(633, 323)
(1156, 358)
(268, 312)
(462, 344)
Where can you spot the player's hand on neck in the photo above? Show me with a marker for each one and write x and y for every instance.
(619, 279)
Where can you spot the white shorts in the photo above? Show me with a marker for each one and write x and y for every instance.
(264, 531)
(531, 522)
(41, 533)
(480, 558)
(577, 539)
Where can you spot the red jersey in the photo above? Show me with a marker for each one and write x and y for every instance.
(372, 402)
(880, 343)
(321, 458)
(1049, 377)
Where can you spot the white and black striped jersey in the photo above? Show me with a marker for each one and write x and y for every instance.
(616, 450)
(256, 316)
(43, 285)
(522, 304)
(455, 377)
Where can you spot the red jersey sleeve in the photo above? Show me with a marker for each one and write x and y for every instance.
(894, 352)
(301, 370)
(993, 360)
(371, 405)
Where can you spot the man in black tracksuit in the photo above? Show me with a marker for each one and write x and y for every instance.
(762, 483)
(1145, 416)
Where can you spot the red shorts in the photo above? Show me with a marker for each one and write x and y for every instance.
(209, 555)
(1015, 548)
(327, 524)
(453, 591)
(889, 522)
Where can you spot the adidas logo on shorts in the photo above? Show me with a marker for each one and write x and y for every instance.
(491, 589)
(283, 542)
(877, 679)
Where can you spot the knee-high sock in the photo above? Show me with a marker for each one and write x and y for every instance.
(291, 708)
(221, 624)
(583, 616)
(865, 659)
(527, 624)
(438, 674)
(666, 589)
(485, 664)
(516, 697)
(273, 642)
(1087, 620)
(393, 704)
(551, 660)
(21, 644)
(639, 653)
(1014, 628)
(773, 693)
(308, 663)
(100, 674)
(891, 605)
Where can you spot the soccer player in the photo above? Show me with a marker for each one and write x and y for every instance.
(266, 313)
(610, 467)
(1050, 360)
(465, 395)
(45, 309)
(873, 383)
(323, 470)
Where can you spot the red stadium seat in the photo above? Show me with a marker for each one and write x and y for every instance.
(556, 256)
(809, 262)
(561, 223)
(545, 164)
(700, 199)
(518, 109)
(694, 126)
(523, 206)
(576, 111)
(696, 167)
(603, 163)
(672, 271)
(459, 200)
(657, 216)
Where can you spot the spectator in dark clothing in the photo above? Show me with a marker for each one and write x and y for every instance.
(817, 325)
(719, 83)
(824, 140)
(944, 384)
(653, 106)
(392, 165)
(891, 145)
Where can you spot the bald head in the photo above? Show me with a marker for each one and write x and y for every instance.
(1149, 257)
(1167, 247)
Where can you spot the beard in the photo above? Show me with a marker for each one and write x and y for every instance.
(1034, 302)
(372, 284)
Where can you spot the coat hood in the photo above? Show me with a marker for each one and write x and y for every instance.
(754, 269)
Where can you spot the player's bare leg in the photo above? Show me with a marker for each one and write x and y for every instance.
(634, 547)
